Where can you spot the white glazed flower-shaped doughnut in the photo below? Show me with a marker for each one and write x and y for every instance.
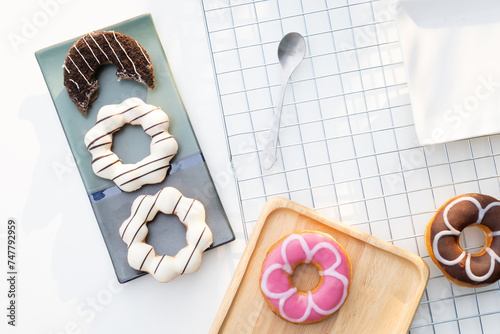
(142, 256)
(106, 164)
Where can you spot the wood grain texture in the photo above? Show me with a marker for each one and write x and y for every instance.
(386, 287)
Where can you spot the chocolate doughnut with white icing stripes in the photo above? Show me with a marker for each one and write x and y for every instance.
(106, 164)
(100, 48)
(142, 256)
(442, 240)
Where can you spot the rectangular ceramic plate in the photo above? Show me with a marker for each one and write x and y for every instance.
(386, 288)
(189, 172)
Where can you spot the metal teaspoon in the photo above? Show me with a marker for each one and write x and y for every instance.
(291, 51)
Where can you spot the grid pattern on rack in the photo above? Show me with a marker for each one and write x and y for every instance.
(347, 144)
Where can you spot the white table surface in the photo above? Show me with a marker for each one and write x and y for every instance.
(66, 283)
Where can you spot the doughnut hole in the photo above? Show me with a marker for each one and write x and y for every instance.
(131, 144)
(163, 234)
(474, 239)
(306, 277)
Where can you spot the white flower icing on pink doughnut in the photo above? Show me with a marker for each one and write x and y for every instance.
(334, 270)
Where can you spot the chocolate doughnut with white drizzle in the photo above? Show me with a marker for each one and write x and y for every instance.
(442, 234)
(99, 48)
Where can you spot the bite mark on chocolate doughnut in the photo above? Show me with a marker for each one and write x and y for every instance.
(99, 48)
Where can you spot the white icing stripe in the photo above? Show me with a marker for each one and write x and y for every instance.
(455, 232)
(311, 305)
(438, 255)
(265, 289)
(287, 267)
(104, 53)
(73, 81)
(64, 66)
(113, 51)
(479, 278)
(143, 53)
(88, 46)
(126, 54)
(332, 249)
(489, 206)
(78, 70)
(461, 199)
(306, 314)
(493, 254)
(85, 60)
(333, 273)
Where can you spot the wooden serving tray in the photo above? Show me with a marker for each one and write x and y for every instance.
(385, 291)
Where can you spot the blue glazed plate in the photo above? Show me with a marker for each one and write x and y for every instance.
(189, 172)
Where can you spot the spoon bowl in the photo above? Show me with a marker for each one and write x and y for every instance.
(291, 51)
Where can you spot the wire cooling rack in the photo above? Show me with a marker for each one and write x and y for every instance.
(347, 143)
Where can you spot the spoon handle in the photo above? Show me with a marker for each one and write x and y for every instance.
(269, 152)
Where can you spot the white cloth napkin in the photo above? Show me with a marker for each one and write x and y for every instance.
(451, 51)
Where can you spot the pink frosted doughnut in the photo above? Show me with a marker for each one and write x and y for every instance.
(334, 268)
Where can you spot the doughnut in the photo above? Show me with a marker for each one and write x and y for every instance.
(334, 269)
(106, 164)
(134, 230)
(442, 240)
(100, 48)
